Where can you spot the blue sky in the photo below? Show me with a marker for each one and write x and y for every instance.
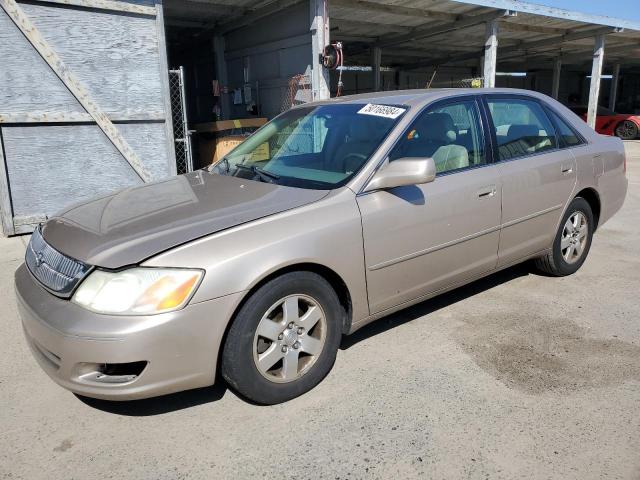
(626, 9)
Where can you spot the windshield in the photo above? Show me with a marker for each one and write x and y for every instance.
(316, 147)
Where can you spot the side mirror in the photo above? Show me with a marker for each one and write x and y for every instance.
(403, 172)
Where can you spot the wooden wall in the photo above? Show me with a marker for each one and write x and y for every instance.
(83, 115)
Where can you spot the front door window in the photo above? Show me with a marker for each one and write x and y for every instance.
(450, 134)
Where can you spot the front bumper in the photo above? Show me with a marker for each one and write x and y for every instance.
(180, 348)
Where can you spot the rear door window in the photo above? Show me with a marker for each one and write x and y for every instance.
(522, 127)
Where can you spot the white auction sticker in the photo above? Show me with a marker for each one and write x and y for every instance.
(382, 111)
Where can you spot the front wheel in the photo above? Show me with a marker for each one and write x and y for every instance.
(284, 339)
(572, 242)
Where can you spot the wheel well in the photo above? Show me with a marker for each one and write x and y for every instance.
(336, 282)
(592, 198)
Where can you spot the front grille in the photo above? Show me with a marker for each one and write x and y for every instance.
(55, 271)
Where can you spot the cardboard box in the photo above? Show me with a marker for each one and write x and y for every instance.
(212, 150)
(225, 144)
(213, 144)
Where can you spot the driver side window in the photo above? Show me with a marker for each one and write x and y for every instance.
(450, 134)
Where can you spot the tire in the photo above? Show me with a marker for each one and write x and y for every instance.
(570, 247)
(626, 130)
(261, 333)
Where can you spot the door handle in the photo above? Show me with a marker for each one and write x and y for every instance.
(567, 169)
(487, 192)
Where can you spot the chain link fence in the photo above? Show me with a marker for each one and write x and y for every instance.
(298, 92)
(472, 82)
(476, 82)
(181, 133)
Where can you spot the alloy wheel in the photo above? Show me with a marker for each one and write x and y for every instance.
(574, 237)
(627, 130)
(290, 338)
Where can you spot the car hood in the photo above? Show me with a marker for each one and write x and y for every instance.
(135, 224)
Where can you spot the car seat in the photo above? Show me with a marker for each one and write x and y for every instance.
(521, 139)
(436, 137)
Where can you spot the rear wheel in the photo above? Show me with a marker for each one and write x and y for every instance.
(573, 241)
(284, 339)
(626, 130)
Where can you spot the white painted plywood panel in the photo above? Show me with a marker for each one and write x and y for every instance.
(115, 56)
(52, 166)
(27, 83)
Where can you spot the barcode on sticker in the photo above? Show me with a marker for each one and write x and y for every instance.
(382, 111)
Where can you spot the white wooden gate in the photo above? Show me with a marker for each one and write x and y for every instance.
(84, 103)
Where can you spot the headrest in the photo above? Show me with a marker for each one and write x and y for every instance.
(519, 131)
(437, 126)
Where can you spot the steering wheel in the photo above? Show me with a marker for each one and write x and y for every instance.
(358, 156)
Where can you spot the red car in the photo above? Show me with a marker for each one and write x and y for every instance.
(623, 125)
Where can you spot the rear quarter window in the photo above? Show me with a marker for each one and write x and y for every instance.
(567, 135)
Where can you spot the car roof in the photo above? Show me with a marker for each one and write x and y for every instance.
(421, 97)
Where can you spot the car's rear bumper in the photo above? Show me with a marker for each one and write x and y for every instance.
(88, 353)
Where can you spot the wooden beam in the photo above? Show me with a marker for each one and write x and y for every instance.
(596, 75)
(6, 209)
(613, 93)
(109, 5)
(367, 6)
(555, 83)
(319, 19)
(32, 34)
(490, 54)
(430, 31)
(76, 117)
(376, 59)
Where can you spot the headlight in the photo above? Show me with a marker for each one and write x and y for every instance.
(137, 291)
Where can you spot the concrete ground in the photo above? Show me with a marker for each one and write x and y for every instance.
(515, 376)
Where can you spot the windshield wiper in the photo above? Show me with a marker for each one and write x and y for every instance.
(263, 174)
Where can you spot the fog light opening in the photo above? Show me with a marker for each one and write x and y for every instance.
(111, 372)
